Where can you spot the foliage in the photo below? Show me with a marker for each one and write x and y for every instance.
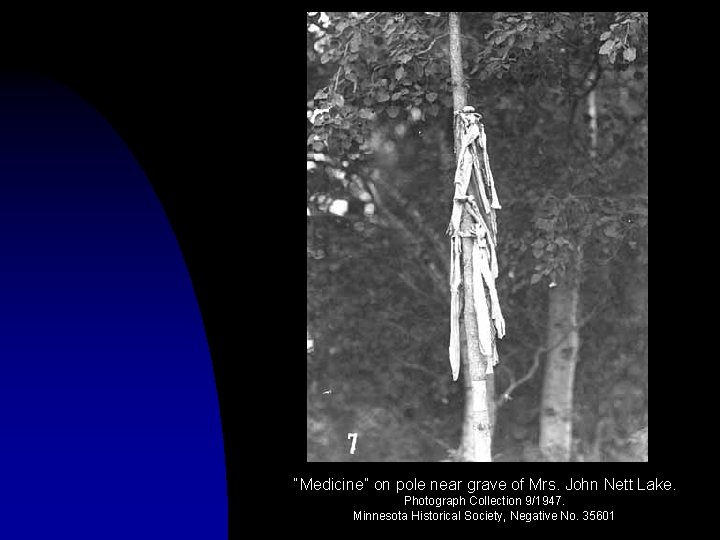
(387, 66)
(379, 132)
(377, 342)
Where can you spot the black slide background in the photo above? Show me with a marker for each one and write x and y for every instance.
(208, 105)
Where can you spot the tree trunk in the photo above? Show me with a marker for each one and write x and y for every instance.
(563, 342)
(477, 424)
(456, 69)
(557, 394)
(477, 443)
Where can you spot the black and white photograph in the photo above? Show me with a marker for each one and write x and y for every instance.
(477, 236)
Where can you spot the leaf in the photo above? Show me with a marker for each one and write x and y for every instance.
(605, 36)
(612, 230)
(382, 96)
(629, 54)
(545, 224)
(535, 278)
(607, 46)
(526, 44)
(502, 37)
(322, 93)
(318, 146)
(431, 96)
(393, 111)
(399, 73)
(355, 43)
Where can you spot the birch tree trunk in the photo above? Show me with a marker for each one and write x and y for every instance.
(563, 342)
(477, 425)
(558, 384)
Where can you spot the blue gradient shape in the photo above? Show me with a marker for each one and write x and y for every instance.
(109, 416)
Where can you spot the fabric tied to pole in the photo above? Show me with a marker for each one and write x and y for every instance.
(472, 158)
(481, 308)
(487, 170)
(455, 281)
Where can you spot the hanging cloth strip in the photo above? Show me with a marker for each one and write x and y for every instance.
(472, 157)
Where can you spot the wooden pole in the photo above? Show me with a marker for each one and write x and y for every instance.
(477, 427)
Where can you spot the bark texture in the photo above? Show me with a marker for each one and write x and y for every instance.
(477, 425)
(557, 394)
(563, 342)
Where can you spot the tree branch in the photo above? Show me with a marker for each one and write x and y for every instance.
(436, 244)
(406, 279)
(340, 68)
(432, 43)
(418, 367)
(506, 395)
(442, 286)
